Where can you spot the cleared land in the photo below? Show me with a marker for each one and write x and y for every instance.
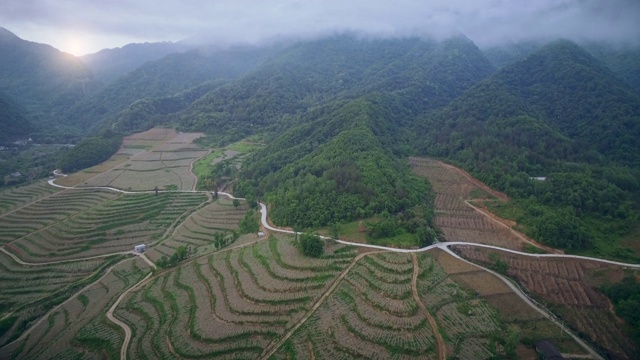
(454, 217)
(157, 158)
(568, 288)
(231, 304)
(79, 328)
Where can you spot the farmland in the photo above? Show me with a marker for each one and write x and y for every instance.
(163, 156)
(66, 262)
(568, 287)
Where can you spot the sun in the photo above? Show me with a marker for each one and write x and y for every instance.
(75, 45)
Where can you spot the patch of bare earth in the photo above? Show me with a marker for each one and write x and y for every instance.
(455, 217)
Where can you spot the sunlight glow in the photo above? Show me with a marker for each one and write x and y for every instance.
(74, 45)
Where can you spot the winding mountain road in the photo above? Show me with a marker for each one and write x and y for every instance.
(265, 223)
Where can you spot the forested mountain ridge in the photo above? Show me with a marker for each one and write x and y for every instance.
(13, 122)
(338, 167)
(165, 77)
(43, 80)
(425, 74)
(570, 94)
(109, 64)
(559, 114)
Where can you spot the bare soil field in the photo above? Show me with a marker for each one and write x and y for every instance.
(569, 288)
(158, 158)
(454, 217)
(512, 310)
(71, 330)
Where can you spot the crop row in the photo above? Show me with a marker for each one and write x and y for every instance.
(15, 197)
(80, 326)
(371, 314)
(112, 226)
(557, 281)
(48, 211)
(31, 291)
(230, 304)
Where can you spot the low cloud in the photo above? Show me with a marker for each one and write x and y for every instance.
(487, 22)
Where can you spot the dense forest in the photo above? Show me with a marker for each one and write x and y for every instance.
(340, 114)
(561, 115)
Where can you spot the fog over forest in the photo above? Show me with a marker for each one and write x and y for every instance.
(85, 27)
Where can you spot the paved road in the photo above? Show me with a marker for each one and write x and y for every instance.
(444, 246)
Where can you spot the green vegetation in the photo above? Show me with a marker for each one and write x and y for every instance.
(180, 254)
(347, 176)
(311, 245)
(625, 297)
(89, 152)
(250, 223)
(544, 117)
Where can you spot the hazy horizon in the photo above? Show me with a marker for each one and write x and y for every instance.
(84, 28)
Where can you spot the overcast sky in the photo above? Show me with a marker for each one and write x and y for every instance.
(86, 26)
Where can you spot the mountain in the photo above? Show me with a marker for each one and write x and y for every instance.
(165, 77)
(565, 91)
(624, 61)
(425, 74)
(559, 114)
(13, 122)
(337, 167)
(109, 64)
(43, 80)
(507, 54)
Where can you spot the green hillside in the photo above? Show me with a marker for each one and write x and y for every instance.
(558, 114)
(425, 75)
(339, 168)
(43, 81)
(13, 122)
(163, 78)
(109, 64)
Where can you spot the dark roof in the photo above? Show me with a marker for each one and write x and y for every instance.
(549, 351)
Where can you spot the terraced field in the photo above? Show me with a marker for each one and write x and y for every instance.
(567, 287)
(14, 198)
(199, 230)
(28, 292)
(457, 220)
(371, 314)
(79, 328)
(47, 211)
(162, 161)
(231, 304)
(253, 297)
(114, 224)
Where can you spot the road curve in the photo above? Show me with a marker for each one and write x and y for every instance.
(45, 316)
(529, 302)
(125, 327)
(443, 245)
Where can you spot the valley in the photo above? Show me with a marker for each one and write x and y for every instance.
(259, 297)
(341, 196)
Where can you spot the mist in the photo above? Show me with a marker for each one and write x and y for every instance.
(92, 26)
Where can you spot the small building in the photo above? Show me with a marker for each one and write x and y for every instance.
(16, 174)
(539, 178)
(140, 248)
(260, 234)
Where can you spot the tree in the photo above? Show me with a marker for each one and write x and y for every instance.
(311, 245)
(236, 203)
